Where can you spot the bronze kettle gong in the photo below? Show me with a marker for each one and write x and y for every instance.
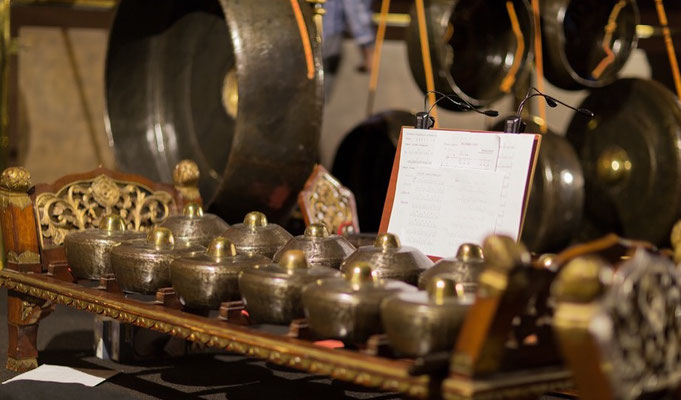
(88, 252)
(194, 225)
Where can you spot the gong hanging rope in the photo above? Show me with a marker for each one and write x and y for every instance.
(607, 48)
(304, 38)
(509, 79)
(662, 15)
(425, 52)
(376, 61)
(538, 62)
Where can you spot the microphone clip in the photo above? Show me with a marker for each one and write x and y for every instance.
(424, 120)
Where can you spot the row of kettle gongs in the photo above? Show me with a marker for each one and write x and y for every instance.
(205, 278)
(479, 50)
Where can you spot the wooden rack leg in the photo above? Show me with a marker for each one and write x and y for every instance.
(23, 315)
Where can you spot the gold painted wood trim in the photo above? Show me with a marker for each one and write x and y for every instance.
(380, 373)
(22, 365)
(27, 257)
(523, 384)
(16, 199)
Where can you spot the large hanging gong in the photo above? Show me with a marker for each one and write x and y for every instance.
(631, 157)
(554, 211)
(586, 43)
(364, 160)
(234, 85)
(478, 48)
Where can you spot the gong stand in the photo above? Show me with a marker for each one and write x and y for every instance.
(506, 347)
(614, 321)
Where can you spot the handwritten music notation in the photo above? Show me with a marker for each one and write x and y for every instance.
(455, 187)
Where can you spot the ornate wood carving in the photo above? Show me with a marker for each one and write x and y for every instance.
(81, 204)
(325, 200)
(618, 327)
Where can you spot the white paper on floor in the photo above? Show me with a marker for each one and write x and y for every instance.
(61, 374)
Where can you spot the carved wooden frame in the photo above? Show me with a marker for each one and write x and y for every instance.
(26, 250)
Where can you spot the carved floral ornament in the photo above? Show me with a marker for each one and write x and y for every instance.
(16, 179)
(81, 204)
(329, 202)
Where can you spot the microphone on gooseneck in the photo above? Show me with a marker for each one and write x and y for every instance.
(515, 124)
(425, 121)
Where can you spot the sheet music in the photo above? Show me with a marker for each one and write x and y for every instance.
(455, 187)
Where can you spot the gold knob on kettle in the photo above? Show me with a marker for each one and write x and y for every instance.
(442, 288)
(387, 241)
(112, 223)
(293, 260)
(192, 210)
(255, 219)
(221, 247)
(361, 272)
(469, 252)
(161, 237)
(317, 230)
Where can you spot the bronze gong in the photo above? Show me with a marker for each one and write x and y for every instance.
(586, 43)
(234, 85)
(478, 48)
(631, 157)
(554, 211)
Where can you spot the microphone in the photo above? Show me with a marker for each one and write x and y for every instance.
(425, 121)
(516, 125)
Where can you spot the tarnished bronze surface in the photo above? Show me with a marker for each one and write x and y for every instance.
(143, 265)
(478, 48)
(464, 268)
(631, 160)
(348, 308)
(556, 204)
(272, 293)
(361, 239)
(203, 80)
(419, 323)
(256, 236)
(320, 248)
(88, 251)
(586, 43)
(193, 226)
(390, 259)
(205, 280)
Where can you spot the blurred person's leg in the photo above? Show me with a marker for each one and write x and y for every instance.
(358, 19)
